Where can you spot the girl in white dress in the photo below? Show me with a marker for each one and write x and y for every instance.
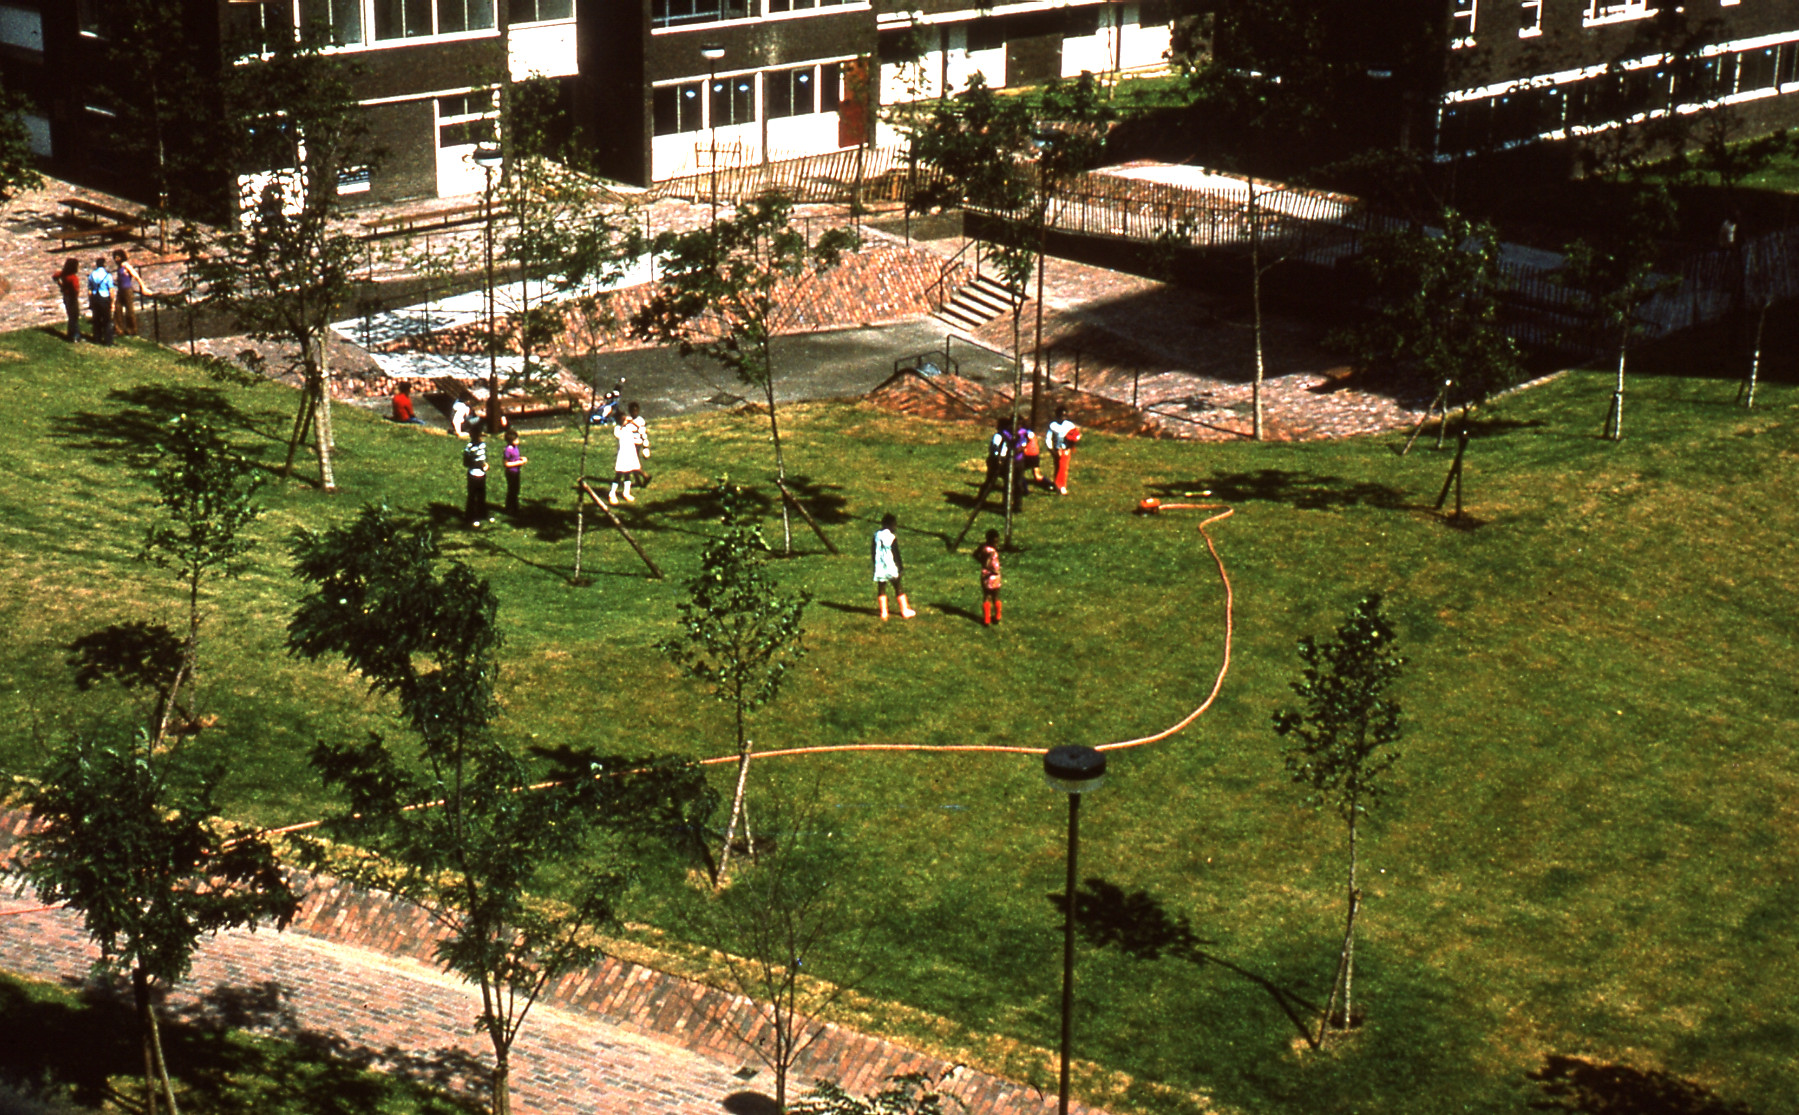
(633, 448)
(888, 566)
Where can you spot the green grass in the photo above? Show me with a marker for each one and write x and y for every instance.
(81, 1053)
(1590, 845)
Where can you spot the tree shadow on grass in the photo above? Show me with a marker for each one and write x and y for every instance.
(81, 1047)
(1137, 924)
(1574, 1084)
(1302, 490)
(129, 433)
(851, 609)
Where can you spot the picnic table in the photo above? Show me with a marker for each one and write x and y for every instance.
(87, 221)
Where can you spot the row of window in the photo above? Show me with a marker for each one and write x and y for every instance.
(681, 13)
(733, 100)
(468, 118)
(1465, 14)
(1525, 114)
(355, 22)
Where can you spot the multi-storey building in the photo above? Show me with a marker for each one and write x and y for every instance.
(785, 78)
(663, 88)
(1526, 71)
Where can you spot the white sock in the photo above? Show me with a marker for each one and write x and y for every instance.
(627, 489)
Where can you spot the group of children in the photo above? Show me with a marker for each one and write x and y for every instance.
(1017, 447)
(1009, 447)
(474, 463)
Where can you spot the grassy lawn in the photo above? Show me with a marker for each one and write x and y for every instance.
(1589, 850)
(82, 1051)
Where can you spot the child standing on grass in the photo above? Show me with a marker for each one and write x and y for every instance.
(987, 557)
(515, 462)
(68, 283)
(888, 566)
(474, 462)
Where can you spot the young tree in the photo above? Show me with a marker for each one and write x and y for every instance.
(726, 291)
(127, 835)
(287, 267)
(739, 632)
(1436, 315)
(786, 915)
(557, 236)
(464, 828)
(160, 81)
(1615, 272)
(1340, 745)
(208, 497)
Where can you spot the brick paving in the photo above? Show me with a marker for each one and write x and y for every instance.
(619, 1037)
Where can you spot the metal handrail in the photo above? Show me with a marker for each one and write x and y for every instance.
(937, 293)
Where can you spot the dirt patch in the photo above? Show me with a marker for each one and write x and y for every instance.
(951, 398)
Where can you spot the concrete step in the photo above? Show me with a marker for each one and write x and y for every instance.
(976, 304)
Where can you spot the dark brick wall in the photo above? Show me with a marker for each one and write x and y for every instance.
(611, 98)
(405, 133)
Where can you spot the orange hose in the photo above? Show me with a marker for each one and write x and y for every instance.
(1117, 745)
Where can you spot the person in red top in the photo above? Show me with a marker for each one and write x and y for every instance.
(403, 406)
(68, 282)
(987, 557)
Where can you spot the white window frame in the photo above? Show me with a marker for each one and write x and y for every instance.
(370, 42)
(1531, 14)
(1461, 18)
(1601, 12)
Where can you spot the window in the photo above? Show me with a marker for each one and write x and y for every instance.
(1788, 70)
(466, 119)
(408, 19)
(676, 108)
(464, 15)
(1530, 19)
(537, 11)
(1155, 13)
(677, 13)
(354, 180)
(1756, 70)
(791, 92)
(800, 5)
(1462, 23)
(733, 100)
(1615, 11)
(87, 17)
(830, 86)
(986, 34)
(344, 17)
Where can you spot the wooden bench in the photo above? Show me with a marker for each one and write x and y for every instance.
(93, 222)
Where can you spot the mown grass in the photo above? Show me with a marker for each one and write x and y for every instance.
(1589, 849)
(79, 1051)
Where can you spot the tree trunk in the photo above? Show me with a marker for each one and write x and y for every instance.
(1017, 390)
(302, 419)
(502, 1081)
(1747, 395)
(140, 994)
(162, 1063)
(774, 430)
(1037, 349)
(322, 423)
(1355, 900)
(581, 504)
(1614, 418)
(1255, 294)
(743, 776)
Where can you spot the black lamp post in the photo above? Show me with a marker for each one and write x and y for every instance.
(487, 158)
(1074, 771)
(712, 53)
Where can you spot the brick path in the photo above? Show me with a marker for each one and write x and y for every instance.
(617, 1038)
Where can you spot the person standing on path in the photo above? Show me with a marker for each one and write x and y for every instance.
(889, 566)
(131, 284)
(986, 556)
(99, 301)
(633, 446)
(515, 463)
(474, 462)
(1063, 435)
(68, 284)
